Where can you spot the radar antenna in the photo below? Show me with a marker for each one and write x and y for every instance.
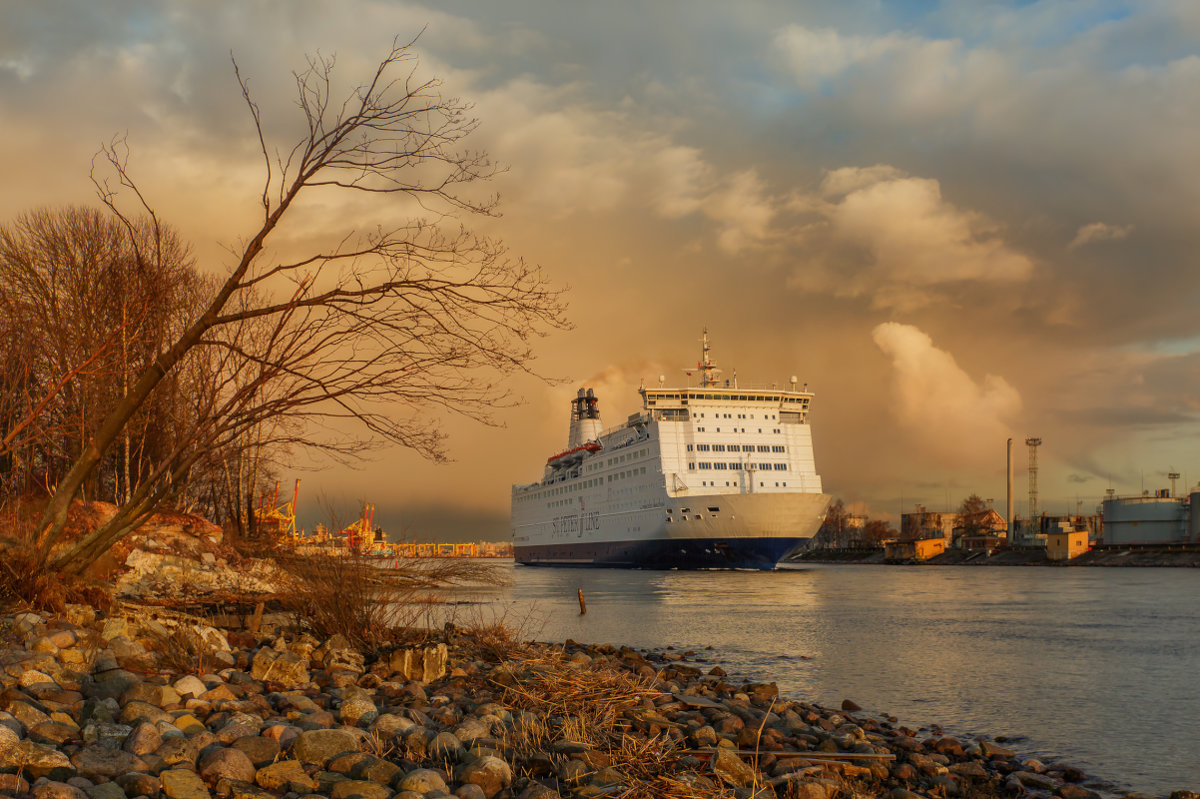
(708, 372)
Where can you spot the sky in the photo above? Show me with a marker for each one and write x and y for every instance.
(957, 222)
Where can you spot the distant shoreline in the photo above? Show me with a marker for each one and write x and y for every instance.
(1011, 557)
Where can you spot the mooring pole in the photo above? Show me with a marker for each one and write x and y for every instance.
(582, 604)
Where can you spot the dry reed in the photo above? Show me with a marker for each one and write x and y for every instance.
(372, 607)
(592, 706)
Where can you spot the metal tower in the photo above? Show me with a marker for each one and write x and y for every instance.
(1033, 443)
(1172, 476)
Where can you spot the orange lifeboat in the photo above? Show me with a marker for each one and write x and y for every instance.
(591, 446)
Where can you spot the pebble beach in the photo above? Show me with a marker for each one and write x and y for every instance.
(141, 702)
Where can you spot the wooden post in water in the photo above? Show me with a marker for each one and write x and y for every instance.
(582, 604)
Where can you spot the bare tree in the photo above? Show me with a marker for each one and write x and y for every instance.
(79, 315)
(391, 320)
(973, 515)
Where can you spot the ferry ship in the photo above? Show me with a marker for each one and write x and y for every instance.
(716, 476)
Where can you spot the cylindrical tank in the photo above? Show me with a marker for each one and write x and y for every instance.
(1145, 520)
(1194, 517)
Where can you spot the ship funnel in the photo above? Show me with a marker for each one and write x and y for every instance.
(585, 418)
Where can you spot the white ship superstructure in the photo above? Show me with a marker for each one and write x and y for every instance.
(719, 475)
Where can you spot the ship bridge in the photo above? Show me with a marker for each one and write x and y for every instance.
(674, 404)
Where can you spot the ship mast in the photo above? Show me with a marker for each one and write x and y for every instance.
(708, 371)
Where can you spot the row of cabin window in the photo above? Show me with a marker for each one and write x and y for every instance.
(739, 430)
(738, 447)
(766, 467)
(615, 459)
(590, 483)
(652, 398)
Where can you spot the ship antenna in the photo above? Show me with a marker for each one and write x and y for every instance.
(706, 364)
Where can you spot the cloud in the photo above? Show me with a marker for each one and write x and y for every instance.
(939, 405)
(896, 239)
(1099, 231)
(742, 210)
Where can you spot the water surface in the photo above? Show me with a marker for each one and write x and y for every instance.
(1095, 667)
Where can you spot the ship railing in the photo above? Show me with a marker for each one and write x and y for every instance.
(742, 386)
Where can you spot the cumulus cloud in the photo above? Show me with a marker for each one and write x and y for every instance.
(743, 211)
(946, 411)
(895, 238)
(1099, 231)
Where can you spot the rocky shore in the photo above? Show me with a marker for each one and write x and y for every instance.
(145, 703)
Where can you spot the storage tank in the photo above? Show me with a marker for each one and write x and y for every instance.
(1145, 520)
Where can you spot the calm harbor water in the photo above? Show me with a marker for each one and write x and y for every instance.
(1099, 668)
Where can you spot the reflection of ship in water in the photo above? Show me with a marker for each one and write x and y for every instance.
(714, 476)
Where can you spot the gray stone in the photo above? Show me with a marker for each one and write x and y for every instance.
(158, 695)
(391, 724)
(358, 711)
(235, 730)
(105, 790)
(100, 761)
(230, 764)
(470, 729)
(13, 783)
(174, 751)
(490, 773)
(137, 711)
(535, 790)
(57, 790)
(8, 739)
(235, 789)
(27, 714)
(376, 770)
(338, 653)
(1069, 791)
(446, 746)
(261, 750)
(286, 775)
(111, 736)
(422, 781)
(360, 788)
(182, 783)
(470, 791)
(287, 669)
(991, 750)
(25, 622)
(144, 739)
(1031, 779)
(52, 732)
(732, 769)
(189, 685)
(138, 784)
(321, 746)
(33, 759)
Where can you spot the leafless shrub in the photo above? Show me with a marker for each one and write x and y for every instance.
(374, 604)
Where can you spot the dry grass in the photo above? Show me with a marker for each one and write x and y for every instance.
(26, 582)
(180, 650)
(591, 706)
(374, 608)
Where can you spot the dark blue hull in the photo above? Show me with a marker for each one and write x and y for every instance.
(664, 553)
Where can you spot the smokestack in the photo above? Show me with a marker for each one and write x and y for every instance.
(1010, 498)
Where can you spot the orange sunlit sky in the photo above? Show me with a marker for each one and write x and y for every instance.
(956, 221)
